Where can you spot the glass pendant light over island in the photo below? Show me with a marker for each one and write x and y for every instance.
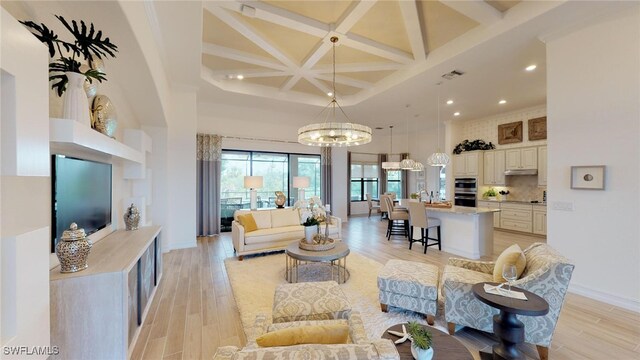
(332, 132)
(438, 158)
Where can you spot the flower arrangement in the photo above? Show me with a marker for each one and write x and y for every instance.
(311, 211)
(490, 193)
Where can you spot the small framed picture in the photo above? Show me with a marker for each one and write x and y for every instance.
(587, 177)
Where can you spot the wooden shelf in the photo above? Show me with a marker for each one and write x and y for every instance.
(67, 134)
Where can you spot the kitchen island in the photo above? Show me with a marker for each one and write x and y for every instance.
(466, 231)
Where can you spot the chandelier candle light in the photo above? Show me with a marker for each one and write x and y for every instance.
(438, 158)
(331, 132)
(253, 183)
(301, 183)
(391, 165)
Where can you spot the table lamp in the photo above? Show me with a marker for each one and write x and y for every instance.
(301, 183)
(253, 183)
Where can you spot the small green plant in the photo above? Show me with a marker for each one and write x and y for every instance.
(415, 195)
(420, 336)
(490, 193)
(88, 44)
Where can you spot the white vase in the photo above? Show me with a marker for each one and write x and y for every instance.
(421, 354)
(309, 233)
(76, 105)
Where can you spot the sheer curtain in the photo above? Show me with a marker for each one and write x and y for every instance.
(208, 166)
(325, 174)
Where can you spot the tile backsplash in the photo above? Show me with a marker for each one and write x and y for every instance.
(521, 188)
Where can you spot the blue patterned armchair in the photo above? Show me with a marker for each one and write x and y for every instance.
(547, 274)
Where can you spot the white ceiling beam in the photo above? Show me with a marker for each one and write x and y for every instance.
(318, 84)
(355, 12)
(250, 73)
(233, 54)
(409, 11)
(358, 67)
(347, 81)
(291, 82)
(247, 31)
(477, 10)
(363, 44)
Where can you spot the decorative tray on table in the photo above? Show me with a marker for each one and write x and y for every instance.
(441, 205)
(320, 243)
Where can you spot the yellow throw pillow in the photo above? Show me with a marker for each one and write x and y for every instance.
(511, 255)
(248, 222)
(319, 334)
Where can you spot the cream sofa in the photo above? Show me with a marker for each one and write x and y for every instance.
(277, 228)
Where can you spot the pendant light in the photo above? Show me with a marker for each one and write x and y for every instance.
(438, 158)
(332, 132)
(408, 163)
(390, 165)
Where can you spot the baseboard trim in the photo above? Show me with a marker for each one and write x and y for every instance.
(181, 245)
(625, 303)
(459, 252)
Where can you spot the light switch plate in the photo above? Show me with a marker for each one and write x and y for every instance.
(562, 205)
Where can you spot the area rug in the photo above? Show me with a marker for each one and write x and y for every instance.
(254, 280)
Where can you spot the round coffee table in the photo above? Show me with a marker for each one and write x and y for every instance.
(506, 325)
(317, 265)
(445, 346)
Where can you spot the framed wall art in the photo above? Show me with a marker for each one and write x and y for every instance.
(587, 177)
(538, 128)
(510, 133)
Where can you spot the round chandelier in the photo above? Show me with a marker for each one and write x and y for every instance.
(332, 132)
(438, 158)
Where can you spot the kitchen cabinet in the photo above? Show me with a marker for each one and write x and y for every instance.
(492, 205)
(467, 164)
(522, 158)
(494, 162)
(540, 220)
(516, 217)
(542, 166)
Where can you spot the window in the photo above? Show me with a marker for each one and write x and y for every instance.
(394, 182)
(277, 171)
(443, 183)
(364, 180)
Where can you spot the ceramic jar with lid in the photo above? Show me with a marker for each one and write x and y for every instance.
(132, 218)
(73, 249)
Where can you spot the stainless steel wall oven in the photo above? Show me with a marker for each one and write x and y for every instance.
(465, 193)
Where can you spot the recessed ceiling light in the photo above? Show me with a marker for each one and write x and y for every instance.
(456, 114)
(530, 67)
(329, 93)
(240, 77)
(503, 101)
(449, 102)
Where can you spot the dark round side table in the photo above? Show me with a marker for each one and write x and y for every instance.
(445, 346)
(506, 325)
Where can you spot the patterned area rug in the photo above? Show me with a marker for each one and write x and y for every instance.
(254, 281)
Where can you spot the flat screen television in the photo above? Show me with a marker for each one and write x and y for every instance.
(81, 194)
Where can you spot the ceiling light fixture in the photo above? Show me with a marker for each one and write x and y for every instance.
(503, 101)
(331, 132)
(240, 77)
(439, 158)
(449, 102)
(530, 67)
(329, 93)
(408, 163)
(454, 114)
(390, 165)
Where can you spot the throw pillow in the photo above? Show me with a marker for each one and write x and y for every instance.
(319, 334)
(262, 218)
(511, 255)
(248, 222)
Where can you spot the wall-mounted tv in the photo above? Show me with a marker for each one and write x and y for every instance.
(81, 193)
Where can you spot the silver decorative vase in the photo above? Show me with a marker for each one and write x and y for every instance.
(132, 218)
(73, 250)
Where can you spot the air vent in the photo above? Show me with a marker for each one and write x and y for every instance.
(453, 74)
(378, 128)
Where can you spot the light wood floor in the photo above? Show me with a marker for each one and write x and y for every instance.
(194, 312)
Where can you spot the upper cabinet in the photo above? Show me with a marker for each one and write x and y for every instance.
(494, 163)
(542, 166)
(519, 159)
(467, 164)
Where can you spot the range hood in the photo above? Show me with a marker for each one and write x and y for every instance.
(522, 172)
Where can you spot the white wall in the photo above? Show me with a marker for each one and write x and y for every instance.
(594, 110)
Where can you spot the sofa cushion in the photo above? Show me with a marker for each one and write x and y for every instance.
(285, 217)
(511, 255)
(248, 222)
(274, 234)
(315, 334)
(262, 218)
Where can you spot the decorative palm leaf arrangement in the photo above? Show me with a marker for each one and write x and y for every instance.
(88, 45)
(420, 336)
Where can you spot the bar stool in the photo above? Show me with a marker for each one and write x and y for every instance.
(396, 215)
(418, 217)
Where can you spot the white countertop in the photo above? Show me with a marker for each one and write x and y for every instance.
(515, 202)
(463, 210)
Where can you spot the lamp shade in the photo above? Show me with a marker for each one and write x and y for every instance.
(301, 182)
(252, 182)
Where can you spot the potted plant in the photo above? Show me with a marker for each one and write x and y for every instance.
(65, 71)
(490, 194)
(414, 196)
(420, 341)
(504, 194)
(312, 213)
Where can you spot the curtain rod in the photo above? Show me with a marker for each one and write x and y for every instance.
(258, 139)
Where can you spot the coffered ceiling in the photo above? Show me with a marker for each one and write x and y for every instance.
(281, 49)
